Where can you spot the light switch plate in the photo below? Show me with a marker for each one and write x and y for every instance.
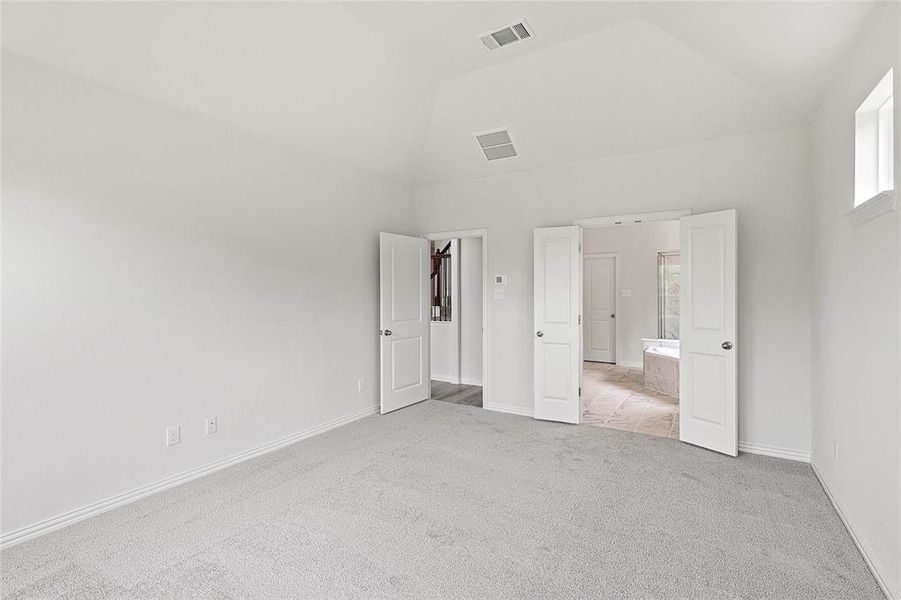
(627, 293)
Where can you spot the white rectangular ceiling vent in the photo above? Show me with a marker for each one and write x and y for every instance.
(515, 32)
(496, 144)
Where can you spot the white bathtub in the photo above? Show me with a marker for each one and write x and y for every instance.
(661, 366)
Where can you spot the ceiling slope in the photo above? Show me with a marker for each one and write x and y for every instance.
(399, 88)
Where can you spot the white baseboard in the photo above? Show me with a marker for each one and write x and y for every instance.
(876, 567)
(509, 408)
(468, 381)
(629, 365)
(446, 379)
(58, 522)
(774, 451)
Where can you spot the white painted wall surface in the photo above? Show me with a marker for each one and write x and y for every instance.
(636, 248)
(444, 338)
(159, 269)
(765, 176)
(471, 311)
(856, 287)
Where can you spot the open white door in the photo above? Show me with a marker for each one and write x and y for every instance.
(557, 330)
(708, 412)
(404, 320)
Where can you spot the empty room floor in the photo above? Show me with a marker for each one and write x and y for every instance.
(383, 508)
(615, 397)
(470, 395)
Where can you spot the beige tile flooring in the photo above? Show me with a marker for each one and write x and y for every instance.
(615, 397)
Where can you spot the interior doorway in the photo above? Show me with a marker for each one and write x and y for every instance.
(630, 303)
(457, 313)
(704, 367)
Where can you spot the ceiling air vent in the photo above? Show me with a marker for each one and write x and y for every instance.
(505, 36)
(496, 144)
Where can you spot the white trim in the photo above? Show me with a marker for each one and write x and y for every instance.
(667, 215)
(468, 381)
(880, 204)
(774, 451)
(629, 364)
(446, 235)
(58, 522)
(863, 546)
(445, 379)
(509, 408)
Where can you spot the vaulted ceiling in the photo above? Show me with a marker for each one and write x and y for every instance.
(398, 88)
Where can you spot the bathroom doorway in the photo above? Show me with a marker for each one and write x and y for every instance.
(630, 329)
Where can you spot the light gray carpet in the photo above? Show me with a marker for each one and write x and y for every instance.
(441, 500)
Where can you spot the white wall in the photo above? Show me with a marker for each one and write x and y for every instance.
(765, 176)
(444, 336)
(471, 311)
(636, 247)
(159, 269)
(856, 387)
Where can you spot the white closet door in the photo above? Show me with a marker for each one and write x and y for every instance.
(599, 329)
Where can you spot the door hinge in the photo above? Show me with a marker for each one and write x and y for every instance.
(580, 319)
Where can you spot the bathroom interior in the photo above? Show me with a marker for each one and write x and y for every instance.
(630, 375)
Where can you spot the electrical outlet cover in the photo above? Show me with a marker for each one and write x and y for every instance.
(173, 435)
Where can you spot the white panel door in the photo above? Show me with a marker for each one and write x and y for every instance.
(404, 320)
(599, 304)
(708, 395)
(557, 335)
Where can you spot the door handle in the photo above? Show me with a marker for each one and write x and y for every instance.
(539, 333)
(727, 346)
(387, 332)
(612, 316)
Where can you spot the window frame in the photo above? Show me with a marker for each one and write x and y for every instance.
(874, 143)
(661, 290)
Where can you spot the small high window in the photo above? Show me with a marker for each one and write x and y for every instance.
(874, 142)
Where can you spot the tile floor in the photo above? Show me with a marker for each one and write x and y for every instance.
(615, 397)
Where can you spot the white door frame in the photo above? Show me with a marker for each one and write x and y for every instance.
(615, 257)
(486, 285)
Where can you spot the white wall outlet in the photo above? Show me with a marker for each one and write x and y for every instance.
(210, 425)
(173, 435)
(361, 384)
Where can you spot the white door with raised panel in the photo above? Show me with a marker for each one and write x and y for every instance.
(708, 395)
(599, 304)
(556, 333)
(404, 320)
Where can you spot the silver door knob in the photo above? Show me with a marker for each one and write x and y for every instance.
(539, 333)
(727, 345)
(387, 332)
